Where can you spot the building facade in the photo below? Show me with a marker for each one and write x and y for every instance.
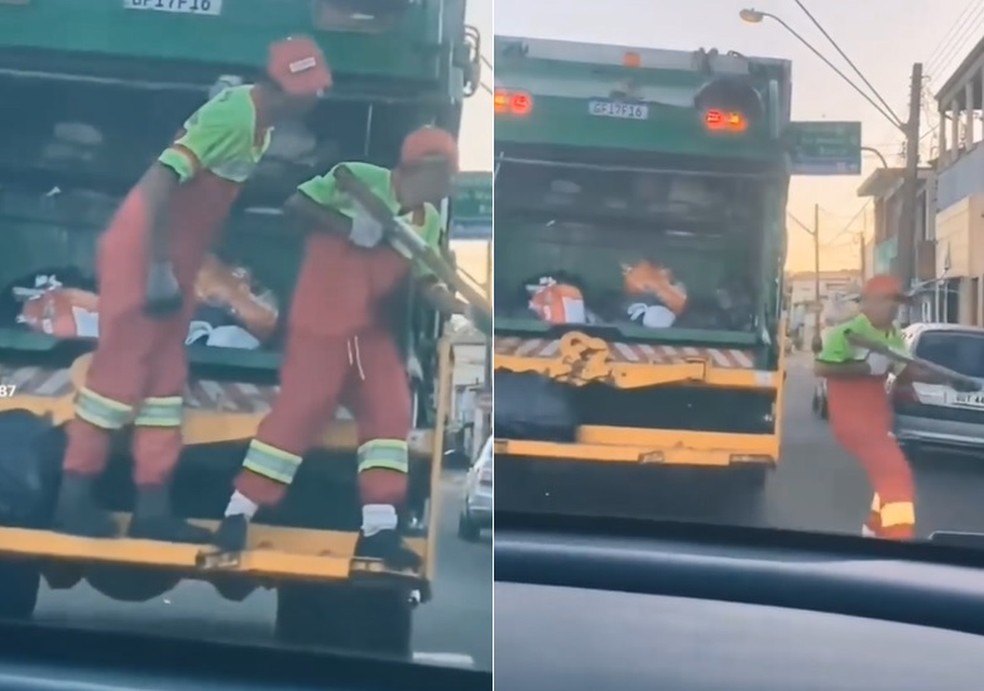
(959, 208)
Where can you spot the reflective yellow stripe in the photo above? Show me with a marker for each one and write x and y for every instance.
(876, 503)
(161, 411)
(898, 513)
(388, 454)
(271, 462)
(100, 411)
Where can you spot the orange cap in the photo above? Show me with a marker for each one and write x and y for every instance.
(883, 286)
(298, 66)
(429, 141)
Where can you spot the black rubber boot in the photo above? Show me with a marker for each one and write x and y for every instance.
(388, 546)
(77, 513)
(153, 520)
(232, 533)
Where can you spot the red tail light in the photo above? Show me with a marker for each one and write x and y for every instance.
(513, 102)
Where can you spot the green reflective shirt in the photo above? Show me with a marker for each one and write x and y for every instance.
(222, 136)
(323, 190)
(838, 350)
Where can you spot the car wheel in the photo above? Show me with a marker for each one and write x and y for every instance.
(19, 585)
(467, 530)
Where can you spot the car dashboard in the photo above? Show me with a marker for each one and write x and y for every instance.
(36, 658)
(702, 608)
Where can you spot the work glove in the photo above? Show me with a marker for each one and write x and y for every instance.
(366, 231)
(878, 364)
(163, 296)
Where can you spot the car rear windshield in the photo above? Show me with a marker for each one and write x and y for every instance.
(962, 351)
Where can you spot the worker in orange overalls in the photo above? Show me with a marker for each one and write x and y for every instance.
(859, 411)
(147, 263)
(340, 346)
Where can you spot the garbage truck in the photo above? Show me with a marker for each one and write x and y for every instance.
(640, 238)
(94, 94)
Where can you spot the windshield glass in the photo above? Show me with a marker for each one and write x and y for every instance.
(234, 404)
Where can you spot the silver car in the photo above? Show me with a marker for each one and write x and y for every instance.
(476, 509)
(937, 415)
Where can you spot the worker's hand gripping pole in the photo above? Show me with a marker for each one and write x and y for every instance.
(480, 312)
(945, 374)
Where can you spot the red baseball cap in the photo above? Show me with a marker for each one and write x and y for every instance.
(429, 142)
(883, 286)
(298, 66)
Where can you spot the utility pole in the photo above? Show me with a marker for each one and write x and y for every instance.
(816, 344)
(905, 257)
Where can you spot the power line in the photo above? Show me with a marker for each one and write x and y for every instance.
(958, 43)
(956, 22)
(848, 60)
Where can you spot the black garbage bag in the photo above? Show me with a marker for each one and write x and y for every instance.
(532, 406)
(30, 464)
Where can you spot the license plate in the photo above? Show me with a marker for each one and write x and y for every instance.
(968, 400)
(210, 7)
(615, 109)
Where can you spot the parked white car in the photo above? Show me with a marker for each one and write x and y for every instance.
(476, 509)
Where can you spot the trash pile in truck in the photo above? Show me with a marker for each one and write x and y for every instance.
(233, 310)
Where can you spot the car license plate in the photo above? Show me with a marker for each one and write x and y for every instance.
(210, 7)
(616, 109)
(968, 400)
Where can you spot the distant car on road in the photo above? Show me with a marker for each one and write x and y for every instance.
(476, 509)
(937, 415)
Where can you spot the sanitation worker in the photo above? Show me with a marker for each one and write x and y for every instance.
(147, 262)
(859, 410)
(340, 347)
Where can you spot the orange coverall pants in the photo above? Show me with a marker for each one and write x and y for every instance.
(338, 352)
(861, 420)
(139, 369)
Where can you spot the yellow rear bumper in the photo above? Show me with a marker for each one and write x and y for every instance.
(660, 447)
(275, 553)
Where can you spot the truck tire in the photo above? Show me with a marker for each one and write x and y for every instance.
(19, 586)
(376, 621)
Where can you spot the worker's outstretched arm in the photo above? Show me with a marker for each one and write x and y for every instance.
(157, 185)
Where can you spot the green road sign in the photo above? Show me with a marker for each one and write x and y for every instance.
(824, 148)
(471, 207)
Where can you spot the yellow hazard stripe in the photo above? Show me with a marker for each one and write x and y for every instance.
(387, 454)
(161, 411)
(271, 462)
(898, 513)
(101, 411)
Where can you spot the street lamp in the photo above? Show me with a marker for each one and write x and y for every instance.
(752, 16)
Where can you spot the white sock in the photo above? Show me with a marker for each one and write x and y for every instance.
(377, 518)
(241, 505)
